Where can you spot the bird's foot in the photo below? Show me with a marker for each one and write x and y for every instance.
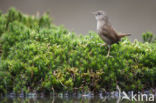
(109, 56)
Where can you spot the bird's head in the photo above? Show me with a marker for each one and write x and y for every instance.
(100, 15)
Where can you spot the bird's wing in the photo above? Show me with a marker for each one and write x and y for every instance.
(110, 33)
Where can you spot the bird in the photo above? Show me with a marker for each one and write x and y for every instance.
(106, 31)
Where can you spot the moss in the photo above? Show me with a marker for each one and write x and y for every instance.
(37, 55)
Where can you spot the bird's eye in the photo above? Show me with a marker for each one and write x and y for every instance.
(98, 13)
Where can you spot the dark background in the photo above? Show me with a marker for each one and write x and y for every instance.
(132, 16)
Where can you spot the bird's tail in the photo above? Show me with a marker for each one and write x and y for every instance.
(123, 35)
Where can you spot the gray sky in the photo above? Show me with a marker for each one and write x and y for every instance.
(129, 16)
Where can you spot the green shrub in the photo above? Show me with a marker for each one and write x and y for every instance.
(148, 37)
(37, 55)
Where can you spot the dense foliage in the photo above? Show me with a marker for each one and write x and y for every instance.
(39, 56)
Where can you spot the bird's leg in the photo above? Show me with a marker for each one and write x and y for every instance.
(109, 47)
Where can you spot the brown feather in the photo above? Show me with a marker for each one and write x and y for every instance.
(108, 32)
(123, 35)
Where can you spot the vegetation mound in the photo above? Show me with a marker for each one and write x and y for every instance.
(38, 56)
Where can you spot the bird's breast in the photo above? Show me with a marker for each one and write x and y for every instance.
(100, 24)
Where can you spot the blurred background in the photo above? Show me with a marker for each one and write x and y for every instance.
(129, 16)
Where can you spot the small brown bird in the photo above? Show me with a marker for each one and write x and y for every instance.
(105, 30)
